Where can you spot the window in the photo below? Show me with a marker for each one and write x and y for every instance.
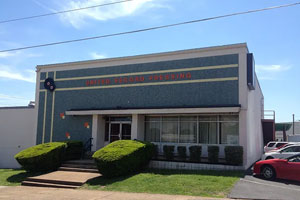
(229, 130)
(289, 149)
(271, 144)
(188, 129)
(152, 129)
(279, 144)
(208, 130)
(169, 129)
(211, 129)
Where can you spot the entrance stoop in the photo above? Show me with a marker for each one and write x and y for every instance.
(72, 174)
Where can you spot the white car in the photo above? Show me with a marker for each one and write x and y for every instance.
(273, 145)
(282, 153)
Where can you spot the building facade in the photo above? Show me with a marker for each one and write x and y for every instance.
(206, 96)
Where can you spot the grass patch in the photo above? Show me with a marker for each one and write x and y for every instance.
(195, 183)
(14, 177)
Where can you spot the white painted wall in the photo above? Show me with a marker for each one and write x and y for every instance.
(254, 125)
(17, 132)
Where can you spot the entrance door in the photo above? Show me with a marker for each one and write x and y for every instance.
(120, 131)
(114, 132)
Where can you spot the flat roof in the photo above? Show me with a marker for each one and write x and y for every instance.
(106, 60)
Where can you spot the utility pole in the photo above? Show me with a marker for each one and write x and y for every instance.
(293, 124)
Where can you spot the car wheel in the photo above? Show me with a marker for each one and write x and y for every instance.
(268, 172)
(269, 157)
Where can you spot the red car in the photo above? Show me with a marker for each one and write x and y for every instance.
(279, 168)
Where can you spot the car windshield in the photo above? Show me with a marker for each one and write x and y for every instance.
(271, 144)
(294, 159)
(291, 149)
(279, 144)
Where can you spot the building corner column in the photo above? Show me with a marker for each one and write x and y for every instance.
(94, 132)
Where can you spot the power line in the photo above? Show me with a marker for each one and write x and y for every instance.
(61, 12)
(151, 28)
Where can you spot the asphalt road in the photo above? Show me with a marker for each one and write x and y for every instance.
(251, 187)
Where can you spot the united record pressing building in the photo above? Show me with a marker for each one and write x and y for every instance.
(205, 96)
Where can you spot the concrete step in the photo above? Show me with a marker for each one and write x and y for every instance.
(54, 181)
(81, 162)
(40, 184)
(84, 166)
(78, 169)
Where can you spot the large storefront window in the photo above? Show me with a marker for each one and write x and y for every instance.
(169, 131)
(188, 129)
(212, 129)
(229, 129)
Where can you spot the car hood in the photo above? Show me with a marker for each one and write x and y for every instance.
(271, 161)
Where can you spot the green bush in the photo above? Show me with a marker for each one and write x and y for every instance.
(234, 155)
(42, 157)
(73, 150)
(123, 157)
(195, 153)
(181, 152)
(169, 152)
(213, 154)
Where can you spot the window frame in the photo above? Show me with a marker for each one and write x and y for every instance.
(218, 121)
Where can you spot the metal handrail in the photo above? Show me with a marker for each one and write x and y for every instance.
(87, 146)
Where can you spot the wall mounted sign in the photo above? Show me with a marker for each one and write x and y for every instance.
(49, 84)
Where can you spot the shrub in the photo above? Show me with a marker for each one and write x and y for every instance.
(123, 157)
(181, 152)
(73, 150)
(213, 154)
(195, 153)
(234, 155)
(169, 152)
(42, 157)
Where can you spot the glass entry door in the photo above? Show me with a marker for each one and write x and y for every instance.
(120, 131)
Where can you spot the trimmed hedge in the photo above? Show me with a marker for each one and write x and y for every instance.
(213, 154)
(42, 157)
(169, 152)
(123, 157)
(181, 152)
(234, 155)
(195, 153)
(73, 150)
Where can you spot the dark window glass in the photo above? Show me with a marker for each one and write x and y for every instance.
(188, 132)
(271, 144)
(208, 133)
(152, 131)
(279, 144)
(106, 132)
(229, 132)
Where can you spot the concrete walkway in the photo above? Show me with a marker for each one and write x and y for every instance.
(37, 193)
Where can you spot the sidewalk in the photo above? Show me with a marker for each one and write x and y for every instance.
(37, 193)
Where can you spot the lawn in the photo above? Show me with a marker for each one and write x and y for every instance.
(14, 177)
(195, 183)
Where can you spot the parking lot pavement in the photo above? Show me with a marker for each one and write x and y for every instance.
(251, 187)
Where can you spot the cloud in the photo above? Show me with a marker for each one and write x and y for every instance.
(27, 75)
(8, 54)
(8, 100)
(96, 55)
(271, 68)
(79, 18)
(270, 72)
(9, 97)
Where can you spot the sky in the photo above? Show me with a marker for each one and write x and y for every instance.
(273, 37)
